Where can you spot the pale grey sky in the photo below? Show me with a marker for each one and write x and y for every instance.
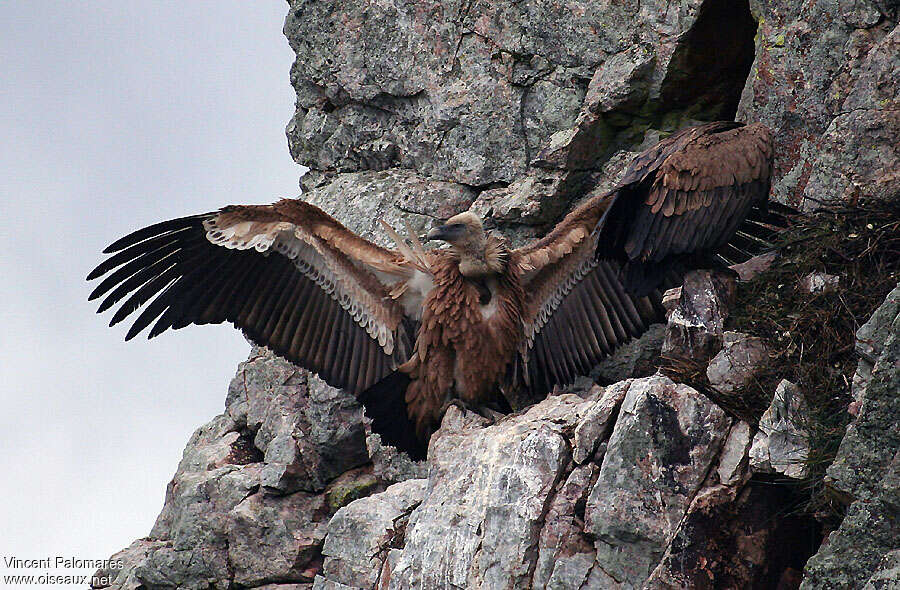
(115, 115)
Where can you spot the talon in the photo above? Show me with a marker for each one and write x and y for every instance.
(454, 402)
(489, 414)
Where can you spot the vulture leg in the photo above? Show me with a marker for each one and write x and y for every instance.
(492, 413)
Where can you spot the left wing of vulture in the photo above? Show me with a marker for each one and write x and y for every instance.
(289, 275)
(576, 310)
(687, 195)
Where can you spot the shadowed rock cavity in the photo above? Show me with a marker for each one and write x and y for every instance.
(710, 65)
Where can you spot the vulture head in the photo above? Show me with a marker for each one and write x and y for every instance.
(478, 255)
(463, 232)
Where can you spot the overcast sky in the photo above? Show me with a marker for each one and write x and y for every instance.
(115, 115)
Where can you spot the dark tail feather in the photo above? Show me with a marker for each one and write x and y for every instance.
(385, 404)
(757, 234)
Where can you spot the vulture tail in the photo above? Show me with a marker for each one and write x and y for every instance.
(757, 234)
(385, 404)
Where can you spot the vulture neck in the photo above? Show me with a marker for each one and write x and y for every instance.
(482, 257)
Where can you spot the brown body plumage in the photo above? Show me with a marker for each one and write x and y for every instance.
(468, 335)
(410, 331)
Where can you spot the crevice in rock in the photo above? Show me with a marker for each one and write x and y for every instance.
(798, 535)
(710, 65)
(243, 450)
(521, 124)
(532, 552)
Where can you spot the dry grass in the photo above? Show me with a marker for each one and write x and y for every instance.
(813, 335)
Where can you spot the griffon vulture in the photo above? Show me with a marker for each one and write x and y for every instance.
(410, 330)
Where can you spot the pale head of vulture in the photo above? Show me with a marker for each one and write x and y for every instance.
(478, 253)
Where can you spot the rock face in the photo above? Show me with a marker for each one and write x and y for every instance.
(571, 493)
(863, 551)
(518, 110)
(825, 79)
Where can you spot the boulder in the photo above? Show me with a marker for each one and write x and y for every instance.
(782, 443)
(742, 357)
(696, 325)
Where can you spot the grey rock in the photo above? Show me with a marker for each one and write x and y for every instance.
(877, 85)
(622, 82)
(732, 467)
(321, 583)
(819, 282)
(308, 432)
(495, 85)
(597, 422)
(276, 538)
(887, 574)
(856, 159)
(696, 326)
(859, 14)
(782, 443)
(740, 360)
(664, 442)
(870, 339)
(873, 438)
(565, 554)
(866, 471)
(361, 533)
(857, 153)
(536, 199)
(816, 64)
(124, 566)
(637, 358)
(486, 500)
(570, 571)
(857, 550)
(392, 466)
(872, 336)
(360, 199)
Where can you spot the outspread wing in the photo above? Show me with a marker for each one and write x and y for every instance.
(289, 275)
(576, 310)
(686, 195)
(595, 281)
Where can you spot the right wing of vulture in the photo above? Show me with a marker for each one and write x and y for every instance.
(687, 195)
(289, 275)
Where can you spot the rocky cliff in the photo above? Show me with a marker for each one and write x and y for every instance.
(518, 110)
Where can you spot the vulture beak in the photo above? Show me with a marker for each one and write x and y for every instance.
(446, 233)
